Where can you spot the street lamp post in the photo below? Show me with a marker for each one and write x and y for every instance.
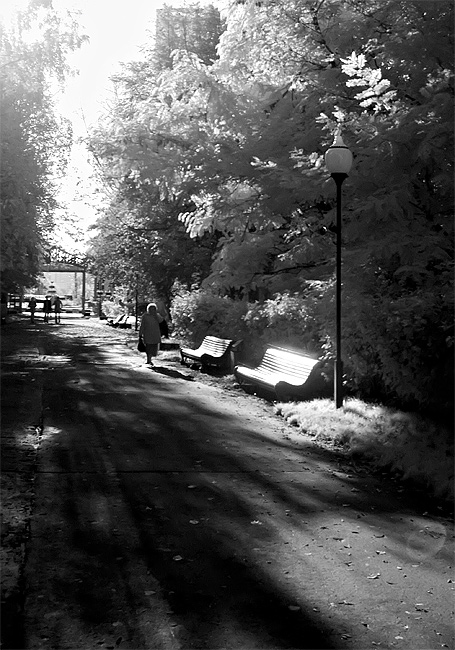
(338, 160)
(136, 306)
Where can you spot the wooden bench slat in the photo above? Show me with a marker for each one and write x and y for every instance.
(278, 368)
(212, 351)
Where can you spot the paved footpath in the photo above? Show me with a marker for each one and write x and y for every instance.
(155, 511)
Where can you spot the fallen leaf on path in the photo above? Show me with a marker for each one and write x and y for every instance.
(420, 607)
(374, 576)
(194, 521)
(147, 593)
(177, 558)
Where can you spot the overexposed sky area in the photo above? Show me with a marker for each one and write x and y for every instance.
(117, 29)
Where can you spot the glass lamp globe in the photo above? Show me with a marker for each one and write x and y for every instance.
(338, 158)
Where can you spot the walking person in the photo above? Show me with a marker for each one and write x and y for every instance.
(149, 331)
(164, 327)
(47, 307)
(32, 306)
(57, 309)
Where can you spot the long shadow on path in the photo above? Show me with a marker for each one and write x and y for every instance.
(177, 522)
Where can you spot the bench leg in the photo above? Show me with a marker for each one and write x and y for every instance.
(188, 361)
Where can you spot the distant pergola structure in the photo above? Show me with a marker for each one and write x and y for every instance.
(67, 267)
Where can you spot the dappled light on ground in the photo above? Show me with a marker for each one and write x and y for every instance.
(183, 515)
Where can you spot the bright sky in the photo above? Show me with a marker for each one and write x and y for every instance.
(117, 29)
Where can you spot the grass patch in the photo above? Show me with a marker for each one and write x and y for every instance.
(408, 444)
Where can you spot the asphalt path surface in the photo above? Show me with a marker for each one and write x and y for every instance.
(171, 513)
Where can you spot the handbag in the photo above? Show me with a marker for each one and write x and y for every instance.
(164, 330)
(141, 345)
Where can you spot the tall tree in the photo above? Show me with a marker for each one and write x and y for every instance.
(194, 28)
(384, 71)
(34, 140)
(140, 159)
(239, 146)
(142, 244)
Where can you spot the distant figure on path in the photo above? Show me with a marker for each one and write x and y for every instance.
(4, 304)
(149, 330)
(164, 327)
(57, 309)
(32, 307)
(47, 307)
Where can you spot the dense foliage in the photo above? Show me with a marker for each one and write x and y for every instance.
(134, 249)
(234, 145)
(408, 445)
(140, 241)
(285, 320)
(34, 139)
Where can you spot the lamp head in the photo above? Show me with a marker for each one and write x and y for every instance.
(338, 158)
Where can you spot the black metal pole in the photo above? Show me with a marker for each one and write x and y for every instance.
(137, 302)
(338, 396)
(83, 291)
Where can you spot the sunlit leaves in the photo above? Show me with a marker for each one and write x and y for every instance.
(377, 93)
(237, 147)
